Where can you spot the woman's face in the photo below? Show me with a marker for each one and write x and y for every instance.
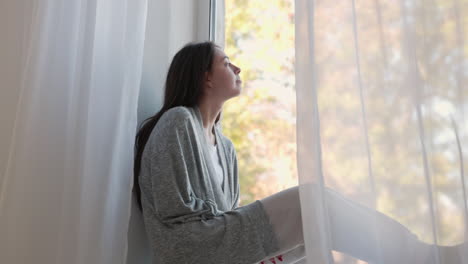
(223, 82)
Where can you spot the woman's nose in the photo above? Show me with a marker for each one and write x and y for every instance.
(237, 70)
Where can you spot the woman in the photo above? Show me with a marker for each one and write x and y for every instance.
(188, 172)
(187, 186)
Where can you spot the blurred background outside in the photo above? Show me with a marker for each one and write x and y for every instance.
(262, 121)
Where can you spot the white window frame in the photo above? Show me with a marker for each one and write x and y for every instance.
(212, 20)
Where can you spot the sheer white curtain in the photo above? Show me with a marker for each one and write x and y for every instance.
(382, 104)
(65, 190)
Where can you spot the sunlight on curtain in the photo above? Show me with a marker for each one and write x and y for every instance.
(65, 191)
(382, 102)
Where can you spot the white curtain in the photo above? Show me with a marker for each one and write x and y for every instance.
(382, 101)
(65, 191)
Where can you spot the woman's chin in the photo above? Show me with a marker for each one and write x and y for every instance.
(235, 94)
(238, 91)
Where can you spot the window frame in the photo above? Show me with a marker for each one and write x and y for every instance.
(216, 22)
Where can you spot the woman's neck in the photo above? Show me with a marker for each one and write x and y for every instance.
(209, 112)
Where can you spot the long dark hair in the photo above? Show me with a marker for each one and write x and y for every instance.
(183, 87)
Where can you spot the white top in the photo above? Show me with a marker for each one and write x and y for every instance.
(217, 164)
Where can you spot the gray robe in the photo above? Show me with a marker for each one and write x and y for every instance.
(190, 217)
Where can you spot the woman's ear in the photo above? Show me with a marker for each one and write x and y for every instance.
(207, 81)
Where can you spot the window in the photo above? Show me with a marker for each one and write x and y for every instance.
(259, 38)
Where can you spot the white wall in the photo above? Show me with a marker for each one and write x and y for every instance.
(170, 25)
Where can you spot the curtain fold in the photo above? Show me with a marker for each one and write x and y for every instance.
(66, 189)
(381, 120)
